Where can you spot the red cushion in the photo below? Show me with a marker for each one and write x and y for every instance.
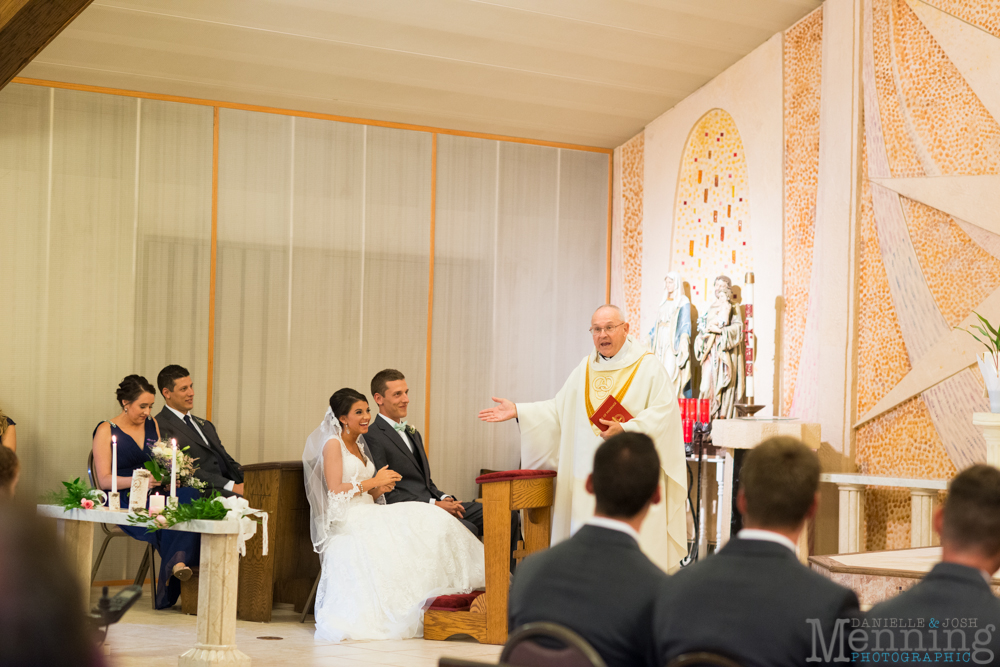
(454, 602)
(507, 475)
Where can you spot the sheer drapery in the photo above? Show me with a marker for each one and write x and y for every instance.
(520, 266)
(105, 266)
(323, 263)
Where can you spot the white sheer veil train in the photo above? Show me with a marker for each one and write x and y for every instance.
(315, 479)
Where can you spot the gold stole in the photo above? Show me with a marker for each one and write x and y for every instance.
(605, 382)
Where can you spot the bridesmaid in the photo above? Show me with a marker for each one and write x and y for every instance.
(136, 433)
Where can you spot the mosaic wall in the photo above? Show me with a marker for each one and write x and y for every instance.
(803, 65)
(630, 241)
(920, 273)
(712, 211)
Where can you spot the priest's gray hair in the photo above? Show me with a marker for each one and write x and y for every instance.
(609, 306)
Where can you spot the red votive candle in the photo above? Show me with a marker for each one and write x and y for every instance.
(688, 430)
(704, 409)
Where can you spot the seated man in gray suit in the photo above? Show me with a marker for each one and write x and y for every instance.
(396, 444)
(951, 615)
(598, 583)
(215, 466)
(753, 601)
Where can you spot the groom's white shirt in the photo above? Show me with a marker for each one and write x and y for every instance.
(409, 445)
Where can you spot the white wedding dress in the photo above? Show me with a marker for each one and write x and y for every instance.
(382, 564)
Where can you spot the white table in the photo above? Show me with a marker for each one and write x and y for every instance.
(747, 433)
(217, 579)
(923, 493)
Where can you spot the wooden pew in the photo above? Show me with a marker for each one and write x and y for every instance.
(503, 492)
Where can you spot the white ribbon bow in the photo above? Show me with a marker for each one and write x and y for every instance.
(240, 510)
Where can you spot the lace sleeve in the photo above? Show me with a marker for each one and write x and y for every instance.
(337, 503)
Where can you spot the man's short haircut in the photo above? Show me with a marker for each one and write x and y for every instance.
(169, 375)
(779, 479)
(383, 378)
(626, 473)
(972, 510)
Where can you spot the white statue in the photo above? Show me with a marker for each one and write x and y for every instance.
(671, 335)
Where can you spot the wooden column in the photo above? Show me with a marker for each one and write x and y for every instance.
(852, 502)
(217, 585)
(27, 27)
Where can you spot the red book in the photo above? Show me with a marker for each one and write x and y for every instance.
(610, 410)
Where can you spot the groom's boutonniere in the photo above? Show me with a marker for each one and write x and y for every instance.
(201, 422)
(410, 430)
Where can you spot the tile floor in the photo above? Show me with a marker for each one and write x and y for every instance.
(155, 638)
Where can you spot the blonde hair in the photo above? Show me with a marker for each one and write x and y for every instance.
(3, 422)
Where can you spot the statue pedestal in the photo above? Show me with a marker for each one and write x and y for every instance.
(989, 424)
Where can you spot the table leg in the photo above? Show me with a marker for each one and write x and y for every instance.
(78, 541)
(726, 500)
(703, 513)
(496, 529)
(217, 587)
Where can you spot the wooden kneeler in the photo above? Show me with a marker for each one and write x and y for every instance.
(503, 492)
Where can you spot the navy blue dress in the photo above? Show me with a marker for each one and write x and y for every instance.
(172, 545)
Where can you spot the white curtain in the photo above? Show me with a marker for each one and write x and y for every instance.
(323, 263)
(105, 268)
(322, 276)
(520, 266)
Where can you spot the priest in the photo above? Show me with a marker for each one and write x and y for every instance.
(559, 434)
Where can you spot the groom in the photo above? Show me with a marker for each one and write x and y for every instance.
(398, 445)
(216, 467)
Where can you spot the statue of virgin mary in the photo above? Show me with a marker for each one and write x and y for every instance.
(671, 335)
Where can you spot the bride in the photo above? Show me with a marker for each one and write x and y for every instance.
(381, 564)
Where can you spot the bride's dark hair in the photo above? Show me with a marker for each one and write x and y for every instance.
(343, 399)
(131, 388)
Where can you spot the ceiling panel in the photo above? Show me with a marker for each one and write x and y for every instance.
(590, 72)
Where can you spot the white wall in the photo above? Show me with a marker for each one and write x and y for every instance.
(751, 91)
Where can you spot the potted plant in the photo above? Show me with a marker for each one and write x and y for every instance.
(989, 362)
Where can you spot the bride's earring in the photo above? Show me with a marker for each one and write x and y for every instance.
(347, 429)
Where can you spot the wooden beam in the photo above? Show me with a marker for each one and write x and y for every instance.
(27, 27)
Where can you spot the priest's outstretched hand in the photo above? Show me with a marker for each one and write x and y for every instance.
(499, 413)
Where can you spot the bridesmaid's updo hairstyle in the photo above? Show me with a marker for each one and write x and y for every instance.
(343, 399)
(131, 388)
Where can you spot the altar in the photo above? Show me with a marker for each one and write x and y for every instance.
(217, 584)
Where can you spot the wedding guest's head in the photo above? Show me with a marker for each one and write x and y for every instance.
(609, 330)
(391, 393)
(41, 611)
(176, 387)
(626, 477)
(779, 483)
(136, 396)
(969, 521)
(350, 408)
(10, 470)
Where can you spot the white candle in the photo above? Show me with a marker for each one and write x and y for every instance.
(114, 464)
(173, 470)
(156, 503)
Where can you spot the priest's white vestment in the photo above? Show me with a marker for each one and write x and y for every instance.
(557, 435)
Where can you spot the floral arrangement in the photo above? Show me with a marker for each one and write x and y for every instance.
(203, 509)
(213, 508)
(163, 456)
(77, 495)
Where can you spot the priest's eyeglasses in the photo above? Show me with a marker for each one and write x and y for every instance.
(597, 331)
